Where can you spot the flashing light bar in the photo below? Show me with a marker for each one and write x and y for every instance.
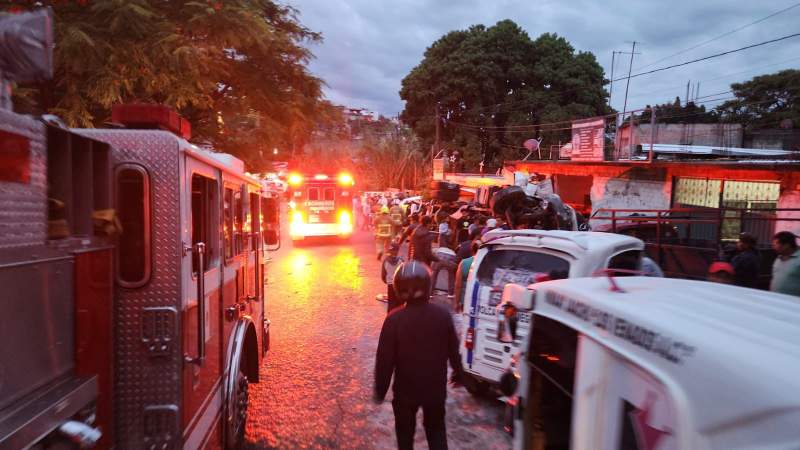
(295, 179)
(320, 176)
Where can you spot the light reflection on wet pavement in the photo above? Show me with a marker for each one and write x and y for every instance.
(317, 378)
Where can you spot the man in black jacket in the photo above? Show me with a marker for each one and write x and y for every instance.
(416, 343)
(746, 264)
(419, 248)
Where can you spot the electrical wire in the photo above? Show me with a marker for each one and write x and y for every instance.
(716, 38)
(716, 55)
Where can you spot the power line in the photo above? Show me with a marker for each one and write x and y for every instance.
(716, 55)
(721, 36)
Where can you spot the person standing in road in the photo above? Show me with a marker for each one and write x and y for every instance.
(383, 231)
(415, 345)
(413, 223)
(366, 212)
(390, 264)
(396, 214)
(421, 240)
(357, 212)
(746, 264)
(461, 276)
(786, 269)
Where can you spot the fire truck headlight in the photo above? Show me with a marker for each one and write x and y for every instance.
(345, 223)
(297, 224)
(295, 179)
(345, 179)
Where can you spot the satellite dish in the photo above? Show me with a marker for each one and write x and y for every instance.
(531, 144)
(26, 46)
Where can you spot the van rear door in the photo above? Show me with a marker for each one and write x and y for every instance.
(500, 266)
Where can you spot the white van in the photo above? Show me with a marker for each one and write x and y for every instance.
(656, 363)
(524, 257)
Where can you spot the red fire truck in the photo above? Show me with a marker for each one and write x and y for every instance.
(320, 205)
(133, 267)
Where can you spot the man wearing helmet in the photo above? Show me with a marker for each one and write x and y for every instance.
(383, 231)
(416, 343)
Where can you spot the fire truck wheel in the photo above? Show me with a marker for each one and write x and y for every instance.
(241, 403)
(502, 200)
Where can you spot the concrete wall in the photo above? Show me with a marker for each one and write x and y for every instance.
(710, 134)
(789, 199)
(620, 193)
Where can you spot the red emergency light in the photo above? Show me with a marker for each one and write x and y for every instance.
(143, 115)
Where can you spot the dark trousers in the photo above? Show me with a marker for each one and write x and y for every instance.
(405, 423)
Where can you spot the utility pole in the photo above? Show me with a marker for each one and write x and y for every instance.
(651, 154)
(436, 145)
(611, 87)
(686, 99)
(627, 85)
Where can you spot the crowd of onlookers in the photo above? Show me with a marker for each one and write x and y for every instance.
(445, 236)
(744, 267)
(442, 235)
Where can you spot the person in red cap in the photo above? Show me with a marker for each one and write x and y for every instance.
(721, 272)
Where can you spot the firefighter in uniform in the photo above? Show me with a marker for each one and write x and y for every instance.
(415, 345)
(383, 231)
(396, 214)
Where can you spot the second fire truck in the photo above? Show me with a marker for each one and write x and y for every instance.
(320, 205)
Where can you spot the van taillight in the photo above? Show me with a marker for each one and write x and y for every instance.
(470, 339)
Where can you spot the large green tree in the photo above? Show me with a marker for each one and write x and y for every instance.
(237, 69)
(488, 80)
(766, 101)
(677, 112)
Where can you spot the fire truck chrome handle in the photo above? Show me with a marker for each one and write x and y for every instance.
(200, 249)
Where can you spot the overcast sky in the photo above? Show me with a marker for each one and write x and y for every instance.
(370, 45)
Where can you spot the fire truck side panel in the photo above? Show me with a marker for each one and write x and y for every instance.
(202, 389)
(148, 350)
(94, 329)
(23, 182)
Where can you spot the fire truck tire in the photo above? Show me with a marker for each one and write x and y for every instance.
(446, 195)
(242, 401)
(437, 185)
(501, 200)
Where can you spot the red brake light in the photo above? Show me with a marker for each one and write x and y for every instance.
(469, 340)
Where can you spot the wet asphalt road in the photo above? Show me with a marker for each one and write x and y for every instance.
(317, 378)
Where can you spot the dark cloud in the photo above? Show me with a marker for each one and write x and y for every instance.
(370, 45)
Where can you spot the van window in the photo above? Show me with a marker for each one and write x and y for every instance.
(204, 219)
(227, 230)
(133, 208)
(500, 267)
(627, 260)
(551, 356)
(313, 194)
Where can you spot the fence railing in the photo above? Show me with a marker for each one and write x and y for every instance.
(685, 241)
